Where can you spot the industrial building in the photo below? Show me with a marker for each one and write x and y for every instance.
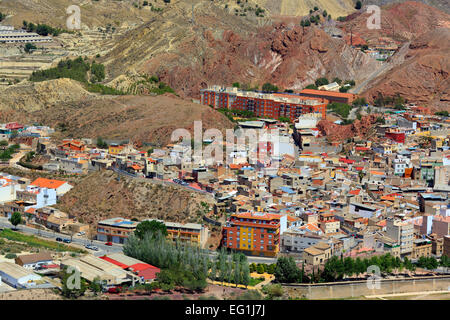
(18, 277)
(91, 267)
(9, 35)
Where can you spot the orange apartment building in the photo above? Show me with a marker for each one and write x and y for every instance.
(272, 105)
(115, 230)
(255, 233)
(193, 233)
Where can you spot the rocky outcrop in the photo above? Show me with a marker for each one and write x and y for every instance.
(339, 133)
(100, 196)
(424, 75)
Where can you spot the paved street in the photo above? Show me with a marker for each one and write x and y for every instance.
(50, 235)
(103, 249)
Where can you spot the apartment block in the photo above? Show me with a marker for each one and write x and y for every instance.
(256, 233)
(115, 230)
(402, 232)
(193, 233)
(273, 105)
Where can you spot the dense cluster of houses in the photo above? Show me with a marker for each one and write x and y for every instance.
(388, 193)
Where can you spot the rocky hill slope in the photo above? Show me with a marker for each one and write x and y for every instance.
(64, 104)
(424, 75)
(100, 196)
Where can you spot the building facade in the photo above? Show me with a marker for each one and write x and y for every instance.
(256, 233)
(273, 105)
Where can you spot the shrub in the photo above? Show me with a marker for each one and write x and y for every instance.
(11, 256)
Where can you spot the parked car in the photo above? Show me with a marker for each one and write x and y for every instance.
(59, 239)
(67, 241)
(108, 244)
(114, 290)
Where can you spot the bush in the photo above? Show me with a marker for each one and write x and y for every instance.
(321, 82)
(268, 87)
(11, 256)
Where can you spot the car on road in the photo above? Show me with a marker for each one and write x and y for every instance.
(59, 239)
(67, 241)
(91, 247)
(82, 233)
(108, 244)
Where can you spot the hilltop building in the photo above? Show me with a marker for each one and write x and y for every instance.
(273, 105)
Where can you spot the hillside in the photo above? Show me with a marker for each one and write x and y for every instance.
(139, 118)
(423, 77)
(100, 195)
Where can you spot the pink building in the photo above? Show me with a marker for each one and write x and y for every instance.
(441, 226)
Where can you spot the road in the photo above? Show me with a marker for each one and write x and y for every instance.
(103, 249)
(76, 240)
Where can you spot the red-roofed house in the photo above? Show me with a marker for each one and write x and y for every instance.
(60, 186)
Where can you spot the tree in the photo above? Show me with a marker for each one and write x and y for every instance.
(29, 47)
(69, 291)
(16, 218)
(260, 268)
(101, 144)
(245, 273)
(324, 13)
(268, 87)
(349, 267)
(237, 273)
(442, 113)
(286, 271)
(236, 85)
(96, 285)
(321, 82)
(316, 8)
(152, 227)
(311, 86)
(358, 5)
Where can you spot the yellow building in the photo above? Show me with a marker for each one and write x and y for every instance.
(115, 149)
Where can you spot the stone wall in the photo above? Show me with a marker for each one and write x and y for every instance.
(360, 288)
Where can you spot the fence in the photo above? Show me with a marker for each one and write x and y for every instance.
(359, 288)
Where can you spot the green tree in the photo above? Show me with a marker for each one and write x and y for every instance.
(29, 47)
(358, 5)
(68, 289)
(245, 274)
(96, 285)
(101, 144)
(260, 268)
(16, 218)
(311, 86)
(286, 271)
(268, 87)
(321, 82)
(152, 227)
